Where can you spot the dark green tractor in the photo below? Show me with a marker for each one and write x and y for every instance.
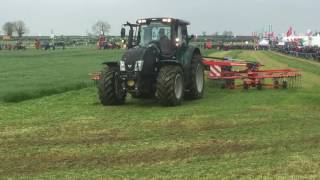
(159, 63)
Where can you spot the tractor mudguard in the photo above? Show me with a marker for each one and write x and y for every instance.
(112, 64)
(186, 60)
(189, 54)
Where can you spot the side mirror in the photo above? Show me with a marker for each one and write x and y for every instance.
(190, 38)
(130, 38)
(123, 32)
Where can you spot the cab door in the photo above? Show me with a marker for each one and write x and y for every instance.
(181, 43)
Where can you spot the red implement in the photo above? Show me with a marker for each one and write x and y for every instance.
(250, 74)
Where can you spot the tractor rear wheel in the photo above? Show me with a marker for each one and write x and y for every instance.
(109, 88)
(170, 85)
(196, 84)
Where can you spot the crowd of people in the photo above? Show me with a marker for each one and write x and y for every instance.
(17, 46)
(308, 52)
(236, 47)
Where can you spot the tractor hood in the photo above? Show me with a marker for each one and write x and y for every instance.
(131, 56)
(149, 56)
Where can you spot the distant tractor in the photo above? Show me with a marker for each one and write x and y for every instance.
(19, 46)
(159, 63)
(208, 44)
(104, 43)
(37, 43)
(101, 42)
(46, 45)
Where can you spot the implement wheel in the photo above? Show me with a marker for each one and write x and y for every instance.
(285, 85)
(245, 85)
(259, 86)
(276, 84)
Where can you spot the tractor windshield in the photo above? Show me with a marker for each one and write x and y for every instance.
(154, 32)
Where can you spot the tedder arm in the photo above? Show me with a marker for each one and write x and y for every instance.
(250, 74)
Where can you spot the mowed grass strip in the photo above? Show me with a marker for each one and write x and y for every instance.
(227, 134)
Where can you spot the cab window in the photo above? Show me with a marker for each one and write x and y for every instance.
(181, 35)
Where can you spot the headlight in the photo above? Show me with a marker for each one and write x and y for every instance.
(122, 66)
(142, 21)
(168, 20)
(138, 66)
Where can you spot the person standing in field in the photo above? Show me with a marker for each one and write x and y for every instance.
(165, 45)
(37, 43)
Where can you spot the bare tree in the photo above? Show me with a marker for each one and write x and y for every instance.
(227, 33)
(20, 28)
(101, 27)
(204, 33)
(8, 28)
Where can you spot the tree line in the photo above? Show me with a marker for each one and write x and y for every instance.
(18, 27)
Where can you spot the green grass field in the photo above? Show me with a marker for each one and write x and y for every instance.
(30, 74)
(228, 134)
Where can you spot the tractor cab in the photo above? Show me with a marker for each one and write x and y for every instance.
(167, 34)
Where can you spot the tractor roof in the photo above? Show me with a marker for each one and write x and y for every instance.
(163, 19)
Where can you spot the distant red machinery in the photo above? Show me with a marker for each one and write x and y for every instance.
(101, 42)
(228, 70)
(208, 44)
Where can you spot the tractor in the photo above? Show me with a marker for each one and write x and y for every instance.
(159, 62)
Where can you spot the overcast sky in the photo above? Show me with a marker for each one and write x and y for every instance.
(75, 17)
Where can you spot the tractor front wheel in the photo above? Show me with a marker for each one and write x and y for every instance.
(170, 85)
(109, 88)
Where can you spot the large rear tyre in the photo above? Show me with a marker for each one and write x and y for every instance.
(196, 83)
(109, 88)
(170, 85)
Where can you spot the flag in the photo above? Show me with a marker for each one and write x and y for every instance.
(289, 33)
(309, 33)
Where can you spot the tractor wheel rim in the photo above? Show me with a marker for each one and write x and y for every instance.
(178, 86)
(199, 78)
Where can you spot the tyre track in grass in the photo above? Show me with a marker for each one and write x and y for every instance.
(30, 164)
(35, 163)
